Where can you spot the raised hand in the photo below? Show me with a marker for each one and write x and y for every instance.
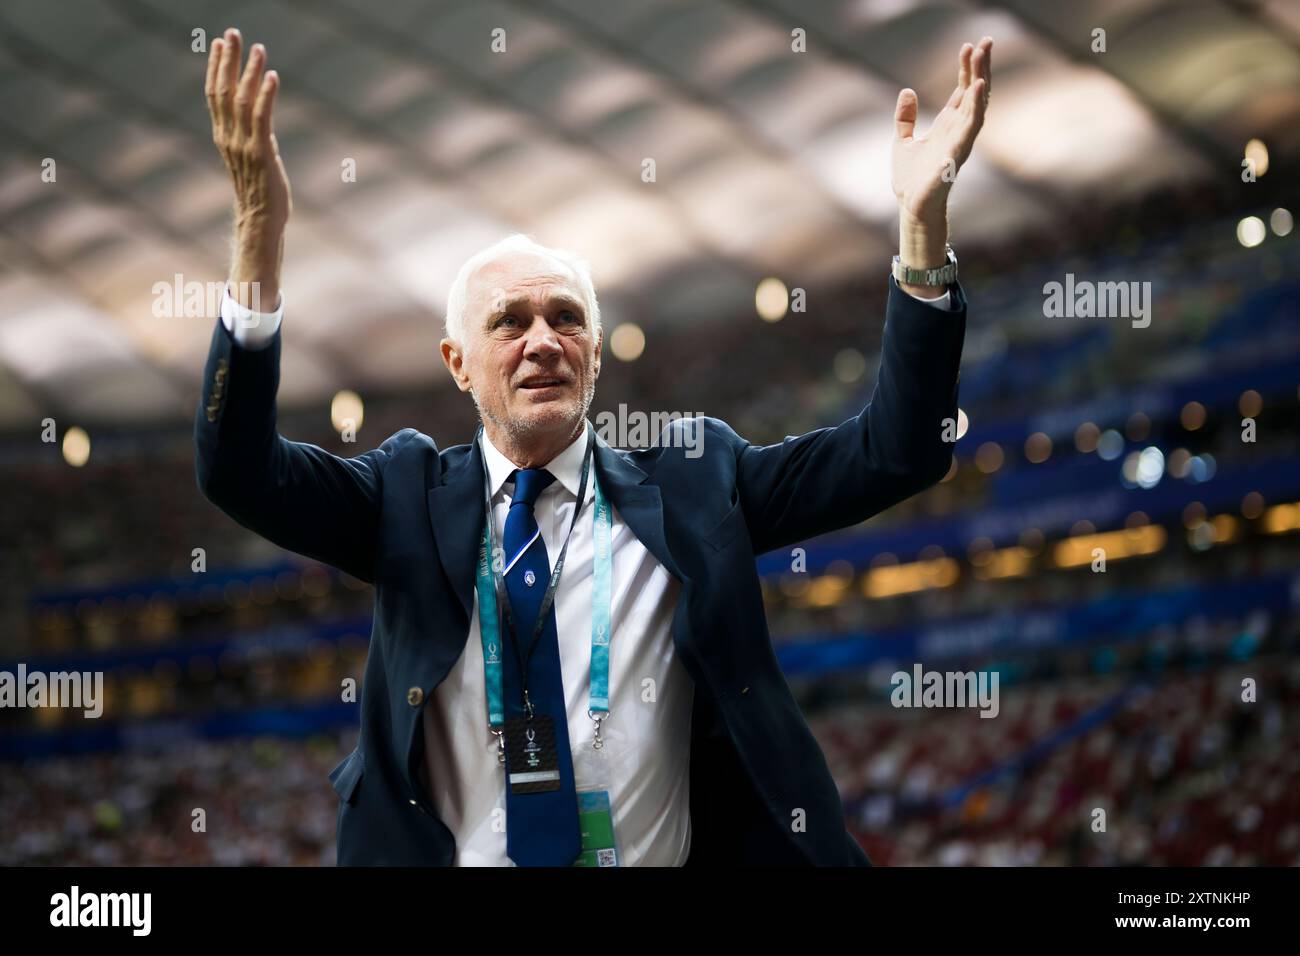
(924, 166)
(241, 109)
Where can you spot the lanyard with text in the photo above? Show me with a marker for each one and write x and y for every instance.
(490, 591)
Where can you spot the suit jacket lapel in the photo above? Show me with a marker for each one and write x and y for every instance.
(456, 513)
(639, 504)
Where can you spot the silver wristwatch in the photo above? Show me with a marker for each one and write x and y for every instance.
(943, 275)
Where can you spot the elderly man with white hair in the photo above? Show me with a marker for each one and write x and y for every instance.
(570, 662)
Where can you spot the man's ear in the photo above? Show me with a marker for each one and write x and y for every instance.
(454, 359)
(600, 340)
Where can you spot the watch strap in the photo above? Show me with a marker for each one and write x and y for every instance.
(943, 275)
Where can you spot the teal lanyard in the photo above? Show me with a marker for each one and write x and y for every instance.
(601, 602)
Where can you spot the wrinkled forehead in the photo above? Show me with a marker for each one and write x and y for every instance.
(520, 275)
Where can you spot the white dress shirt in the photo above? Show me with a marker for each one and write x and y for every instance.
(645, 762)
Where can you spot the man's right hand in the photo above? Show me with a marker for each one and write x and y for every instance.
(241, 109)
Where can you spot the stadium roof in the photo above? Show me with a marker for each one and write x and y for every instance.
(767, 161)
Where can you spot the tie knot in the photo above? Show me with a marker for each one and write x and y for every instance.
(529, 483)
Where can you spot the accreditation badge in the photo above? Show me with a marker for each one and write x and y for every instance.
(596, 821)
(532, 762)
(595, 813)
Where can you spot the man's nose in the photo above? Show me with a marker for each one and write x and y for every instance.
(541, 340)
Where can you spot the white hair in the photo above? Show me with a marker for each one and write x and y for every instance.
(454, 324)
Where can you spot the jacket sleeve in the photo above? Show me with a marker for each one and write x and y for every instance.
(296, 495)
(835, 477)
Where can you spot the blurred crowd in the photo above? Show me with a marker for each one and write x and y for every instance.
(253, 802)
(1181, 772)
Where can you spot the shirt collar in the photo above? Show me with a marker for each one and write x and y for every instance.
(566, 466)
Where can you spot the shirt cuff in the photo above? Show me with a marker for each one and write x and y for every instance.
(251, 330)
(943, 301)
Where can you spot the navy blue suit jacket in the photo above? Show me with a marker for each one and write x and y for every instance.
(407, 517)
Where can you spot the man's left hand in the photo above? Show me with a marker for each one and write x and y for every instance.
(924, 167)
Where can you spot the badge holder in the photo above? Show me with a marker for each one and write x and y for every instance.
(595, 814)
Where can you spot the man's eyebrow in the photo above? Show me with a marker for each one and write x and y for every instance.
(571, 302)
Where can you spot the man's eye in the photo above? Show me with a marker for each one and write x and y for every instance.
(567, 316)
(507, 319)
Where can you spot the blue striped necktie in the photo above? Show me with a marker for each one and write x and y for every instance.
(541, 828)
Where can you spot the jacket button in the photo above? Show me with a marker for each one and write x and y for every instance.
(744, 690)
(414, 696)
(212, 415)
